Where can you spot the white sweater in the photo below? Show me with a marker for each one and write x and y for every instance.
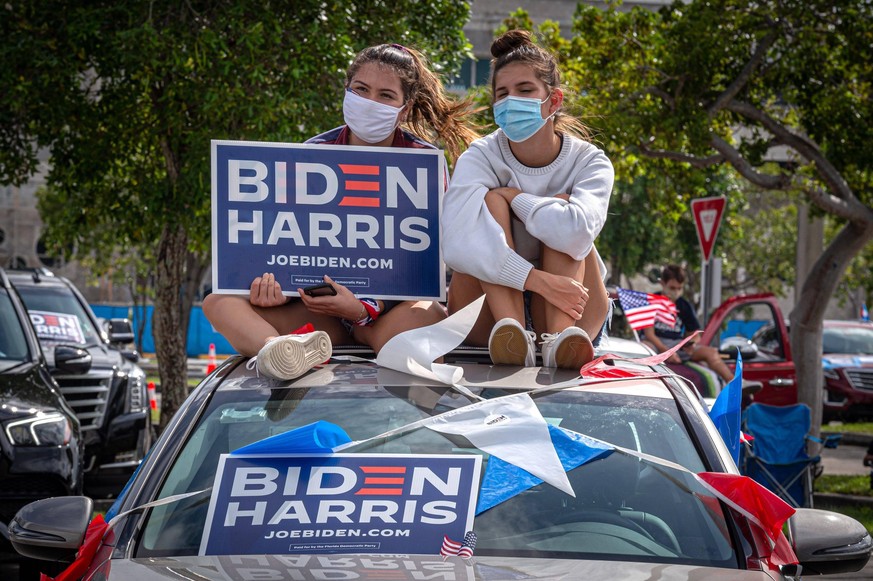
(473, 242)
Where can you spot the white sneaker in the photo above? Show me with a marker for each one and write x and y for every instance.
(290, 356)
(569, 349)
(511, 344)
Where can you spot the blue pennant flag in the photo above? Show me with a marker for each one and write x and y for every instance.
(503, 480)
(726, 413)
(316, 438)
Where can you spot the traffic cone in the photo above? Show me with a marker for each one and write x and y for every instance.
(153, 401)
(212, 365)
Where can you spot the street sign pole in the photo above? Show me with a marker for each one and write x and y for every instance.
(707, 219)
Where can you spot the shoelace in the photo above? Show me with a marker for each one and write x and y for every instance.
(548, 337)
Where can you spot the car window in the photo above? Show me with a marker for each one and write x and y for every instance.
(42, 301)
(755, 322)
(849, 340)
(623, 506)
(13, 345)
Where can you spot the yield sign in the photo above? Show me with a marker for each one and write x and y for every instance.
(707, 217)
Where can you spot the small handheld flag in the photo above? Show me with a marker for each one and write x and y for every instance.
(642, 309)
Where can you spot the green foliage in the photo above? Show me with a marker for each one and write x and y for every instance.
(128, 95)
(841, 484)
(666, 93)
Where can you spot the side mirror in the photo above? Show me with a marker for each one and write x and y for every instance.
(131, 355)
(732, 345)
(51, 529)
(71, 359)
(120, 331)
(827, 542)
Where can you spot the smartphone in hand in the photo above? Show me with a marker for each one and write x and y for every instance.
(324, 289)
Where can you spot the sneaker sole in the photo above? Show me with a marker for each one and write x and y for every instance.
(296, 357)
(574, 352)
(508, 346)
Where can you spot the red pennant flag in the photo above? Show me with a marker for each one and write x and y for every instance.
(597, 368)
(765, 509)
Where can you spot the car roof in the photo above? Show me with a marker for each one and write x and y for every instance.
(847, 323)
(352, 373)
(36, 276)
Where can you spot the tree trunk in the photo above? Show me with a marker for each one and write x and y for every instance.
(167, 320)
(808, 315)
(194, 269)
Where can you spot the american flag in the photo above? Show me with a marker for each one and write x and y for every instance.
(463, 549)
(642, 309)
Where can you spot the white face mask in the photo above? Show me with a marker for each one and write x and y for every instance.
(370, 120)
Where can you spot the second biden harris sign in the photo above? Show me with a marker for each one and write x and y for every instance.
(368, 217)
(339, 503)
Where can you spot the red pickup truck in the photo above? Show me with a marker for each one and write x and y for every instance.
(756, 324)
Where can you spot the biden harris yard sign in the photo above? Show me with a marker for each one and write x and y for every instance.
(368, 217)
(339, 503)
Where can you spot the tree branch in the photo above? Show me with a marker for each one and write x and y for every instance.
(698, 162)
(802, 145)
(748, 70)
(736, 159)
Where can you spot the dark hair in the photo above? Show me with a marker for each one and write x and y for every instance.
(673, 272)
(517, 46)
(431, 114)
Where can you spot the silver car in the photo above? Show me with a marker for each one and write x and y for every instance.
(637, 511)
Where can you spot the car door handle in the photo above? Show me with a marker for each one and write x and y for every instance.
(781, 382)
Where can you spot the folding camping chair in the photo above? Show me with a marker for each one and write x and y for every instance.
(778, 457)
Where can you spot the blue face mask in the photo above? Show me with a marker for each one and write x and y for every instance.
(519, 117)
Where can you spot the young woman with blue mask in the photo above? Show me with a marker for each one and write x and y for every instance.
(386, 86)
(521, 215)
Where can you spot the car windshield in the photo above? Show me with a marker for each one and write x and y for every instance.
(13, 345)
(624, 508)
(58, 316)
(853, 340)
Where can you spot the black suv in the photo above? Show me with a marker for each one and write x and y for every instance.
(41, 448)
(109, 396)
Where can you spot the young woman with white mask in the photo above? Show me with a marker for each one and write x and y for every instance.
(531, 199)
(387, 86)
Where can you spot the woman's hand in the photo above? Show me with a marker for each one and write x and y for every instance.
(266, 292)
(566, 293)
(343, 305)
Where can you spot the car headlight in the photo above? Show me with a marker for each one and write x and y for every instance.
(831, 374)
(137, 401)
(51, 429)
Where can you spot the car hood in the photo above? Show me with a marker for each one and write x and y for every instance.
(23, 393)
(834, 361)
(402, 568)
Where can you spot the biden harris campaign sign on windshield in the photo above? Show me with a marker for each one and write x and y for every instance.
(339, 503)
(368, 217)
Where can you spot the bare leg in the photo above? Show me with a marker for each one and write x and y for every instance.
(503, 300)
(549, 319)
(710, 356)
(247, 327)
(463, 290)
(403, 317)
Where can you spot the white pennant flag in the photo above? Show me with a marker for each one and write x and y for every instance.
(415, 351)
(512, 429)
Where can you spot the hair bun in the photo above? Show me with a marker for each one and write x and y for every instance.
(509, 41)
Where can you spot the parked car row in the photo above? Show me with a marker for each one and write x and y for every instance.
(74, 406)
(107, 390)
